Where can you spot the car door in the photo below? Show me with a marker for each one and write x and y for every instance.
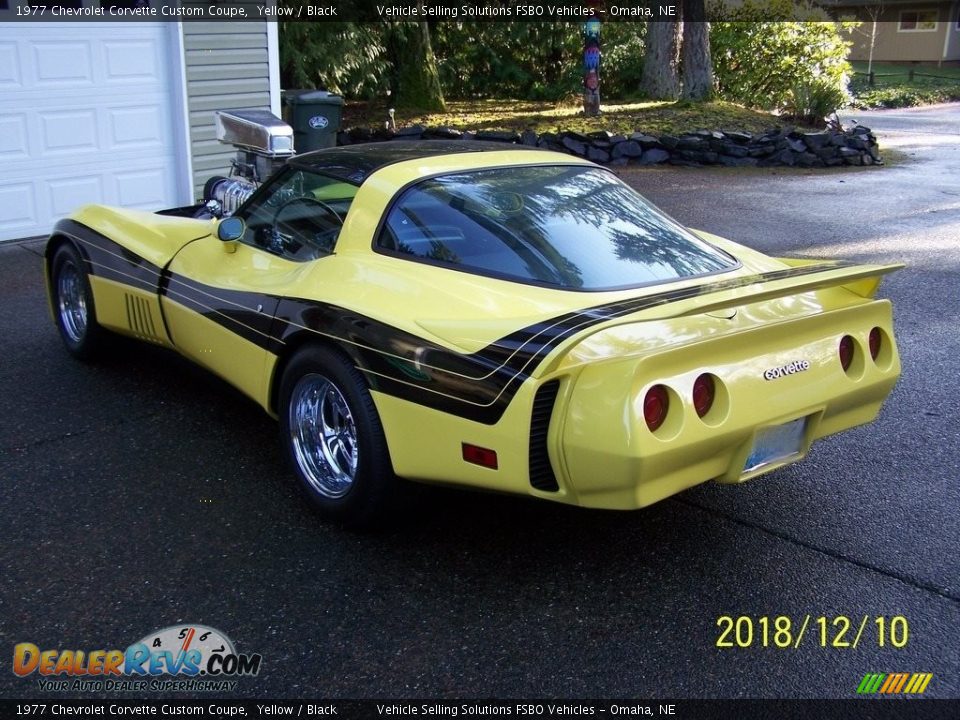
(220, 305)
(220, 298)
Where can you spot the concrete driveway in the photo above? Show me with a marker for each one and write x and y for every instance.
(141, 492)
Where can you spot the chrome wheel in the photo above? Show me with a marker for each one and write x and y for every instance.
(72, 302)
(323, 436)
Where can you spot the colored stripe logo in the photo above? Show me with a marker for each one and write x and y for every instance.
(894, 683)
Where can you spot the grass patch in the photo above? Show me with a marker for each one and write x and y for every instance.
(654, 118)
(894, 88)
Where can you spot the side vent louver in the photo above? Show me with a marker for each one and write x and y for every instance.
(541, 472)
(140, 318)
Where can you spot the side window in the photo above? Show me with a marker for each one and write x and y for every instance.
(299, 216)
(433, 225)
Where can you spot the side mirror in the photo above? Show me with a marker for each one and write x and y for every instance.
(229, 231)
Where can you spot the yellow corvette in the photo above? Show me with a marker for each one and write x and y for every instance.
(508, 319)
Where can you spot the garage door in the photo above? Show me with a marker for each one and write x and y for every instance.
(89, 112)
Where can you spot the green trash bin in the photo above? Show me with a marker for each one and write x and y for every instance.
(314, 116)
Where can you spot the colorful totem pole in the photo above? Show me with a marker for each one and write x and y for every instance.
(591, 60)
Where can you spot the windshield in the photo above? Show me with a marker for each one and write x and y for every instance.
(299, 215)
(572, 227)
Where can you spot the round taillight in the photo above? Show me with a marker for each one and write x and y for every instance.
(703, 394)
(846, 352)
(655, 405)
(876, 340)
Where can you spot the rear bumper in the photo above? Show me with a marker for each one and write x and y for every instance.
(605, 456)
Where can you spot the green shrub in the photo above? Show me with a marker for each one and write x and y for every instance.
(763, 63)
(812, 101)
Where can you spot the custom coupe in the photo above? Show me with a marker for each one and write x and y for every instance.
(468, 313)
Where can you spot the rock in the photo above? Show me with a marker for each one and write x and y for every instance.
(468, 135)
(604, 135)
(854, 160)
(784, 157)
(574, 146)
(867, 160)
(528, 137)
(691, 155)
(728, 161)
(630, 149)
(646, 141)
(761, 151)
(343, 138)
(597, 155)
(807, 159)
(846, 153)
(739, 137)
(499, 136)
(618, 162)
(736, 151)
(815, 141)
(614, 139)
(442, 133)
(833, 162)
(669, 141)
(861, 130)
(359, 134)
(708, 134)
(857, 142)
(690, 142)
(828, 151)
(654, 156)
(838, 139)
(409, 132)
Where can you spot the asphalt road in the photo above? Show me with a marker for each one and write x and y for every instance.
(140, 493)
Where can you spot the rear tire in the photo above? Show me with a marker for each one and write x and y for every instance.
(73, 306)
(334, 441)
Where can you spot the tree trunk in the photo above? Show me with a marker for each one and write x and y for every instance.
(697, 63)
(417, 79)
(660, 80)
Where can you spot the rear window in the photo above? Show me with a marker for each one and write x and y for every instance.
(571, 227)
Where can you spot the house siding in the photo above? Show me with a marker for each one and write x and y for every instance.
(227, 68)
(892, 45)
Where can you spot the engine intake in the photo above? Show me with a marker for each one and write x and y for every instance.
(264, 143)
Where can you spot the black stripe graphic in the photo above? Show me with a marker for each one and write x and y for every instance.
(477, 386)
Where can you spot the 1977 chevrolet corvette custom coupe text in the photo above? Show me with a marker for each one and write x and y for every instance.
(508, 319)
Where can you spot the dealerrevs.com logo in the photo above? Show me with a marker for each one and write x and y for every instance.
(180, 657)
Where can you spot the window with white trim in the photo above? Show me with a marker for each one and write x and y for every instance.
(918, 20)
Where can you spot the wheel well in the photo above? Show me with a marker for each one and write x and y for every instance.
(53, 244)
(291, 348)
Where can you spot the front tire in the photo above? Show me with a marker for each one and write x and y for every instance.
(333, 439)
(73, 306)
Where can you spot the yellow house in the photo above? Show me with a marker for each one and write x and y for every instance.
(902, 30)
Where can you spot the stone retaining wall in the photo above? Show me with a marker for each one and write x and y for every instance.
(776, 147)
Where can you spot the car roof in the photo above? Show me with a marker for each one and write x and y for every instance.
(355, 163)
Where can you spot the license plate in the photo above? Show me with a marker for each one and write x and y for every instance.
(775, 444)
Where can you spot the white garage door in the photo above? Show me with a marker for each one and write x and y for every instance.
(88, 113)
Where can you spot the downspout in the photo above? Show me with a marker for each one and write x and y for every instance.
(948, 28)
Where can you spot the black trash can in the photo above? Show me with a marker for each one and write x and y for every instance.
(314, 116)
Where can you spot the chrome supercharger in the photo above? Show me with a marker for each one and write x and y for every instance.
(264, 143)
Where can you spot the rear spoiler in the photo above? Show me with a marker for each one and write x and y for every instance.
(803, 275)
